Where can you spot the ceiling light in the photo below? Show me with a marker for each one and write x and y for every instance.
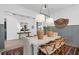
(49, 20)
(40, 18)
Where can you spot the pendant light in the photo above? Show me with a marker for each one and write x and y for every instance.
(49, 20)
(40, 17)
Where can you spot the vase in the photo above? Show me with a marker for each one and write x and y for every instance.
(50, 33)
(40, 34)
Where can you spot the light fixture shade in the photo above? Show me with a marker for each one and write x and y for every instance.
(40, 18)
(49, 20)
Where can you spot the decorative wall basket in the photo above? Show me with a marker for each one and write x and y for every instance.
(40, 34)
(61, 22)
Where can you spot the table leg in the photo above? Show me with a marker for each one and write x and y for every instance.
(32, 49)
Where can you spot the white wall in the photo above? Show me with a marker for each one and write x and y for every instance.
(72, 13)
(12, 21)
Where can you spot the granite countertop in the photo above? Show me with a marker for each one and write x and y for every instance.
(11, 44)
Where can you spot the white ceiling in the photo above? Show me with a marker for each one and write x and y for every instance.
(52, 7)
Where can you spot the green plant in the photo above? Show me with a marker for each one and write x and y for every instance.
(50, 28)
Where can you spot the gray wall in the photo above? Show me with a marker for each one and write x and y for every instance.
(1, 36)
(70, 33)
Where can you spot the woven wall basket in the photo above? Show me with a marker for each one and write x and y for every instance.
(61, 22)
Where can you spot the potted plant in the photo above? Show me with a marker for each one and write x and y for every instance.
(49, 23)
(50, 31)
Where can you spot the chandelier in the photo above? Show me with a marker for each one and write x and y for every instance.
(41, 17)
